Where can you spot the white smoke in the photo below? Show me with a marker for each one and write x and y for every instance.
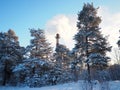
(65, 26)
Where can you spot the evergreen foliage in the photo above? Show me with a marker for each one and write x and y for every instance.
(40, 48)
(91, 46)
(90, 43)
(10, 55)
(32, 72)
(35, 72)
(62, 56)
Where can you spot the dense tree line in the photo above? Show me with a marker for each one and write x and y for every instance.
(38, 65)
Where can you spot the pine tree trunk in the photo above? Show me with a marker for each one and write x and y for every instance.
(4, 77)
(88, 66)
(88, 69)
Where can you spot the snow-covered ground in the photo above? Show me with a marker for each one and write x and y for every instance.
(70, 86)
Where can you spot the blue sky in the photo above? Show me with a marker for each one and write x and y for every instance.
(20, 15)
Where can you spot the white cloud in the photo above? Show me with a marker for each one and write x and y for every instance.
(110, 24)
(65, 26)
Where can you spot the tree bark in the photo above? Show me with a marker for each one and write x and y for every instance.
(88, 66)
(4, 77)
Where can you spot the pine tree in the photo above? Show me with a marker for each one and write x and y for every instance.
(62, 56)
(40, 48)
(10, 55)
(34, 71)
(90, 45)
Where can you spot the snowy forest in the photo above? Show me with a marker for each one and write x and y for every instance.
(38, 64)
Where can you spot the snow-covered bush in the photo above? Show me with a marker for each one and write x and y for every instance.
(36, 73)
(32, 69)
